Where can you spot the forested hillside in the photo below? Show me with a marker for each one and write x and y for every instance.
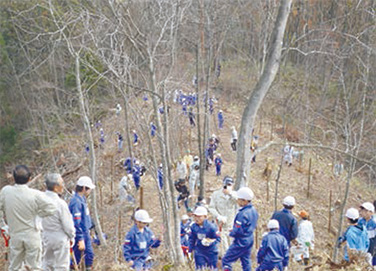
(66, 65)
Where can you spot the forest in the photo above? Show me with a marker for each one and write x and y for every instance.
(307, 79)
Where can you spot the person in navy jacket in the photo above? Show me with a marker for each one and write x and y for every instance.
(274, 251)
(82, 221)
(245, 224)
(136, 173)
(288, 224)
(138, 242)
(203, 240)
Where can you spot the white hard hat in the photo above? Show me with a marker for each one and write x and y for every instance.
(368, 206)
(289, 201)
(245, 193)
(213, 135)
(352, 213)
(273, 224)
(137, 162)
(200, 210)
(142, 216)
(184, 217)
(86, 181)
(218, 154)
(196, 158)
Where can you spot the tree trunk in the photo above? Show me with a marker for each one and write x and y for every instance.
(258, 94)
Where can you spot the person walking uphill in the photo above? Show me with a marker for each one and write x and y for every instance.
(220, 119)
(245, 224)
(22, 206)
(82, 222)
(366, 211)
(203, 240)
(58, 229)
(288, 224)
(138, 242)
(274, 251)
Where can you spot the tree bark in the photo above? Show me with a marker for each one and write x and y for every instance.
(258, 94)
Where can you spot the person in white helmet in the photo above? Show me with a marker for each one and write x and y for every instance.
(223, 207)
(138, 242)
(203, 240)
(366, 212)
(234, 138)
(288, 224)
(245, 224)
(355, 236)
(274, 251)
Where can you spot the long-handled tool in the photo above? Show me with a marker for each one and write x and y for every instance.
(6, 239)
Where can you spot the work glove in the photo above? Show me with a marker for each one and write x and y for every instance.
(5, 230)
(190, 256)
(207, 242)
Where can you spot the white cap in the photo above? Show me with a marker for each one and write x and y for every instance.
(273, 224)
(184, 217)
(142, 216)
(213, 135)
(368, 206)
(196, 158)
(200, 210)
(86, 181)
(352, 213)
(137, 162)
(289, 201)
(245, 193)
(218, 154)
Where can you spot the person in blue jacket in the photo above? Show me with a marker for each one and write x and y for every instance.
(82, 222)
(220, 119)
(185, 231)
(136, 174)
(218, 164)
(355, 236)
(203, 240)
(153, 129)
(160, 176)
(366, 211)
(245, 223)
(135, 138)
(288, 224)
(274, 251)
(138, 242)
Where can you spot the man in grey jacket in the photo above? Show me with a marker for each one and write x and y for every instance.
(58, 229)
(22, 207)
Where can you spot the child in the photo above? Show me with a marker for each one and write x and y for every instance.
(305, 239)
(218, 164)
(203, 240)
(274, 251)
(138, 242)
(185, 230)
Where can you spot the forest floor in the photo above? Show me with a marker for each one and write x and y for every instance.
(116, 217)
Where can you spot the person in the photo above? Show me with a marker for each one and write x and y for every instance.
(191, 117)
(287, 151)
(58, 229)
(194, 179)
(188, 160)
(82, 222)
(234, 138)
(366, 211)
(288, 224)
(183, 193)
(218, 164)
(138, 242)
(245, 223)
(203, 240)
(254, 146)
(153, 129)
(125, 194)
(135, 138)
(160, 176)
(185, 231)
(274, 251)
(101, 139)
(220, 119)
(120, 142)
(118, 109)
(22, 206)
(305, 239)
(196, 162)
(129, 163)
(136, 173)
(181, 169)
(355, 236)
(223, 208)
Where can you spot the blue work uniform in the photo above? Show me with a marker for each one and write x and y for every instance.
(135, 138)
(160, 178)
(288, 225)
(273, 253)
(128, 164)
(136, 173)
(153, 129)
(137, 245)
(220, 120)
(245, 224)
(82, 223)
(218, 164)
(371, 230)
(357, 238)
(205, 256)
